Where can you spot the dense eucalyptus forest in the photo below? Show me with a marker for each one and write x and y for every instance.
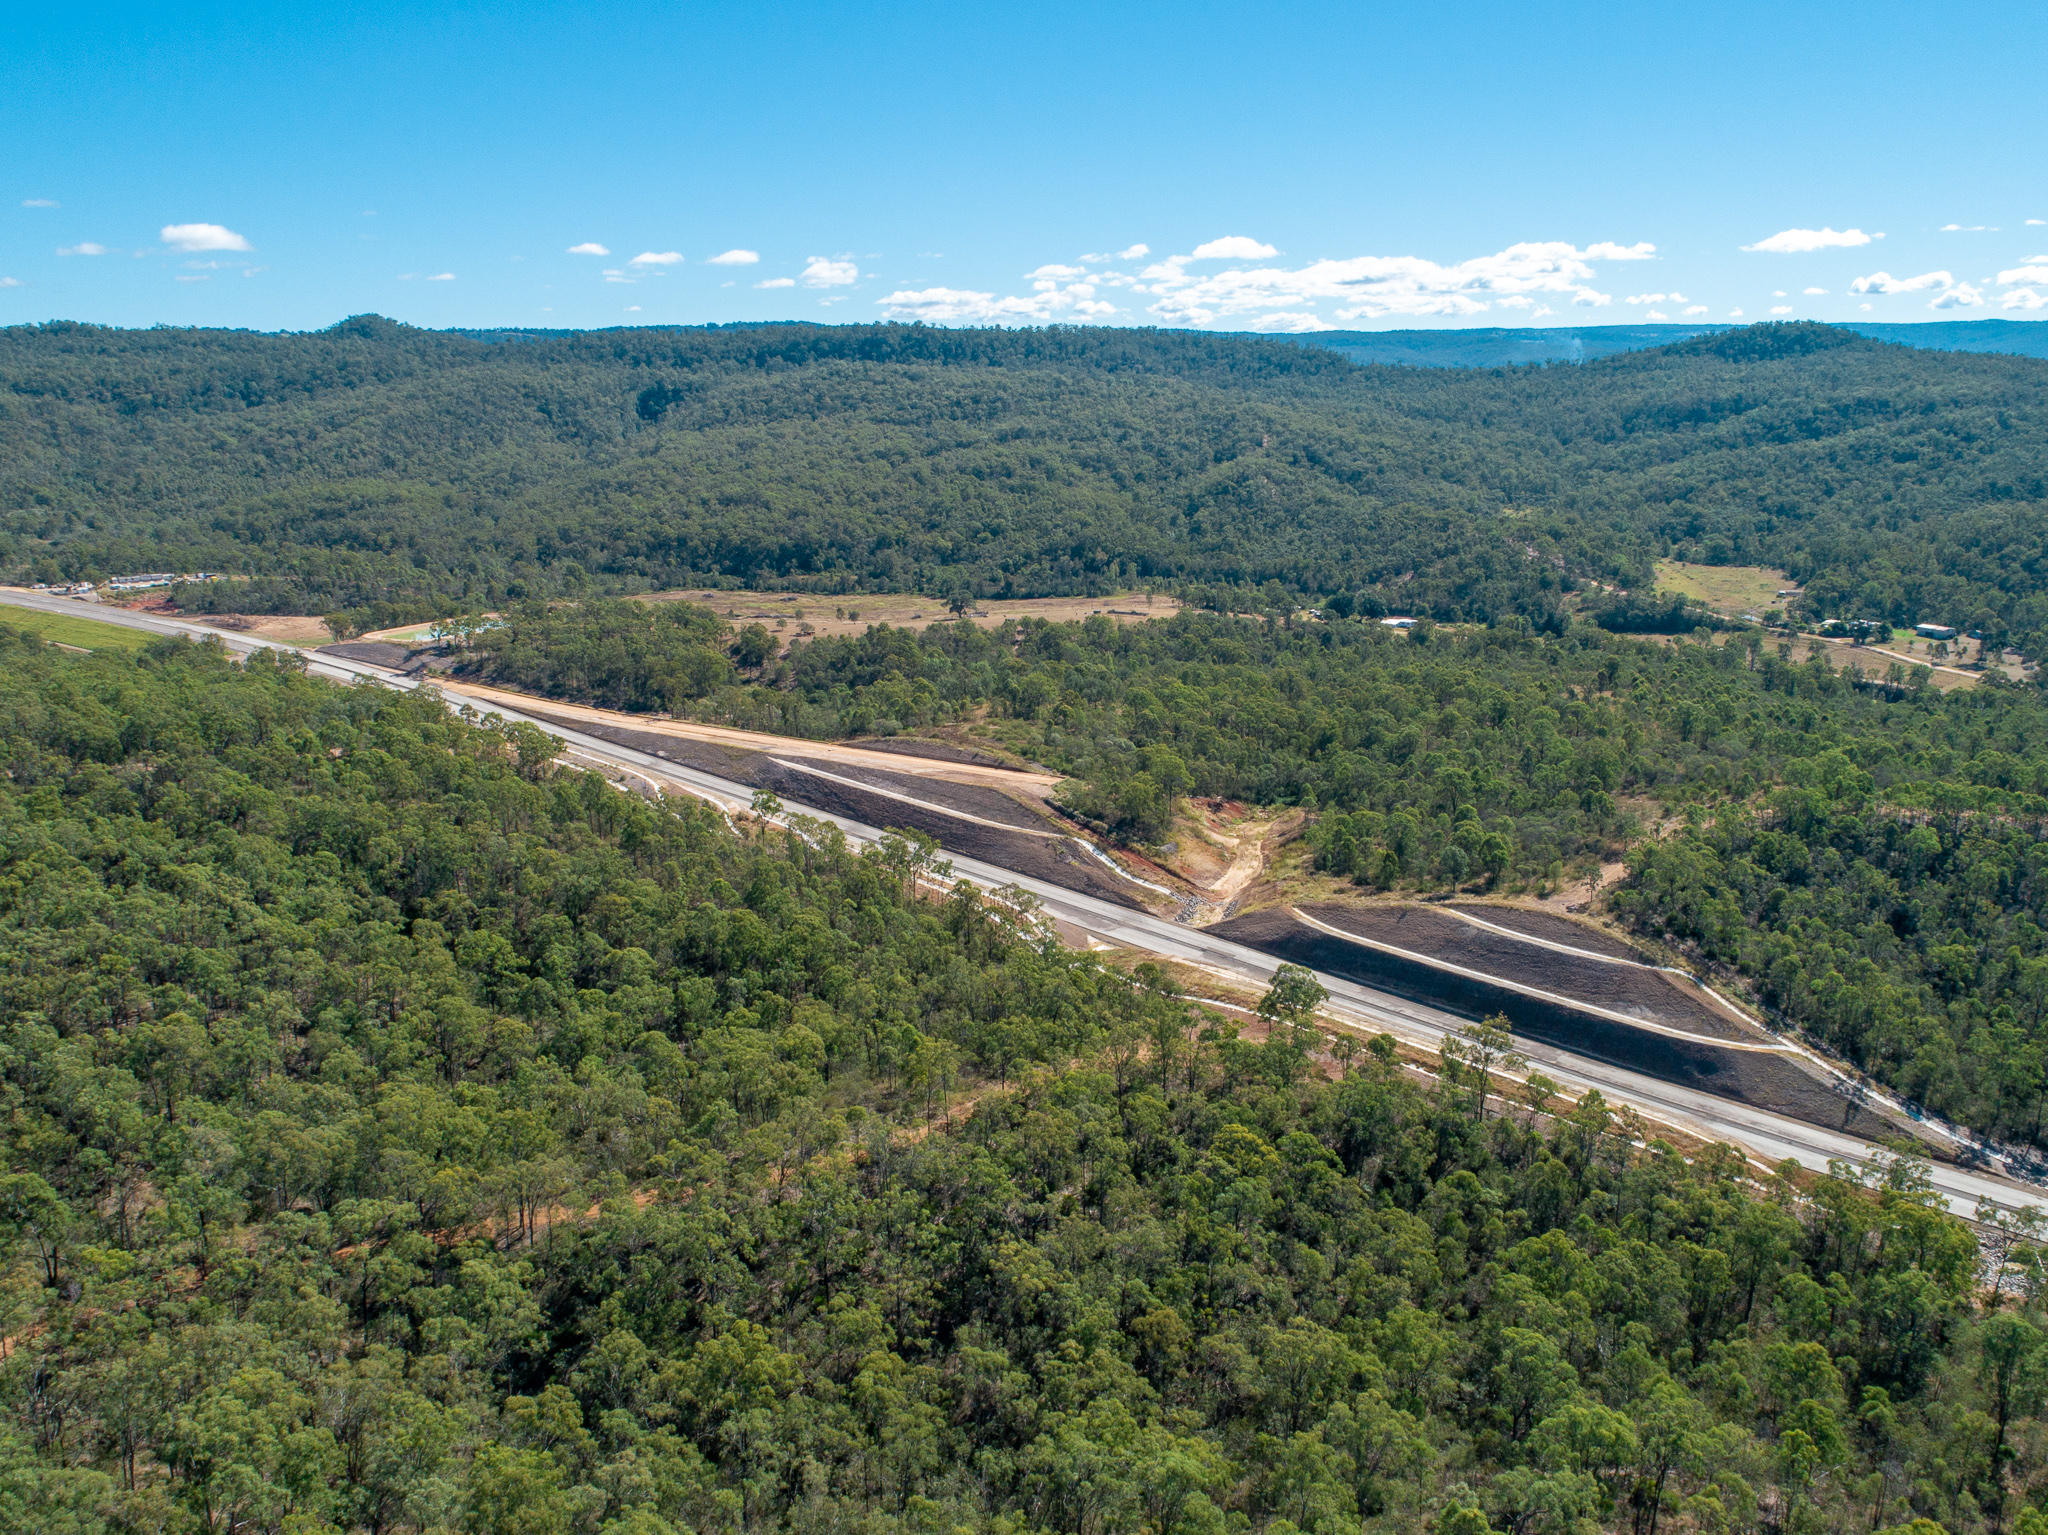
(1867, 858)
(405, 1134)
(375, 463)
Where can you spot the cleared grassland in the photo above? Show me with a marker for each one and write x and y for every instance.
(1726, 588)
(63, 629)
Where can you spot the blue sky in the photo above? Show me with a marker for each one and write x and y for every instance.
(1224, 167)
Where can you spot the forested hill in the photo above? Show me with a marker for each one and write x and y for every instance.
(375, 462)
(1498, 346)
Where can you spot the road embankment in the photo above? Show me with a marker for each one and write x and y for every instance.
(1743, 1065)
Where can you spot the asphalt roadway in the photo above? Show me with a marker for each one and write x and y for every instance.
(1768, 1138)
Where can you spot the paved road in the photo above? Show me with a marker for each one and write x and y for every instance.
(1769, 1137)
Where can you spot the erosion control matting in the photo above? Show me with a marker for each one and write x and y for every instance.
(1767, 1080)
(1553, 929)
(371, 653)
(934, 751)
(850, 792)
(1634, 989)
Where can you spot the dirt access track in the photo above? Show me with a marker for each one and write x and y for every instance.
(974, 808)
(1564, 986)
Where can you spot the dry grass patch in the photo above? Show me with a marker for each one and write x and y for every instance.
(786, 613)
(1735, 589)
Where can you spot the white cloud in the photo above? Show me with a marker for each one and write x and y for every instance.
(1795, 242)
(588, 248)
(195, 277)
(51, 202)
(1652, 298)
(942, 306)
(1656, 314)
(1697, 309)
(777, 282)
(825, 272)
(202, 237)
(1817, 292)
(2031, 272)
(442, 277)
(1056, 273)
(1780, 294)
(1961, 296)
(1866, 308)
(735, 257)
(632, 309)
(1969, 229)
(1289, 324)
(617, 274)
(1371, 286)
(1133, 252)
(1232, 248)
(657, 258)
(1884, 282)
(10, 282)
(82, 248)
(2030, 222)
(1781, 309)
(1735, 314)
(2024, 298)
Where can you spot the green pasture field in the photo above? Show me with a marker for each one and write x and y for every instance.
(63, 629)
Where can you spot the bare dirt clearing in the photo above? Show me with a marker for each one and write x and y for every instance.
(786, 613)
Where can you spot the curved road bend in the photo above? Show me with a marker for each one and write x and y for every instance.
(1769, 1137)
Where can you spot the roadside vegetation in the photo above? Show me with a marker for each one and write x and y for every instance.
(405, 1134)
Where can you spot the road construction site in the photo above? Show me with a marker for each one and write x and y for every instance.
(1586, 1010)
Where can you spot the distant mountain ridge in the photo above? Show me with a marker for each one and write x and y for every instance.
(1499, 347)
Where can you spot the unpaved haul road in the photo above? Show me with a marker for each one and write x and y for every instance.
(1769, 1138)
